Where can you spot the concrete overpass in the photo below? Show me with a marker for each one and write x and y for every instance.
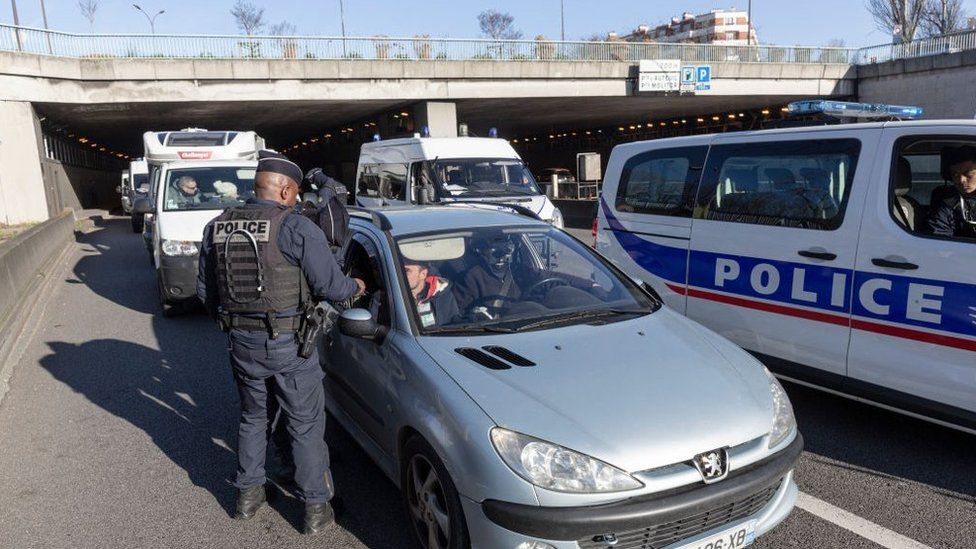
(107, 90)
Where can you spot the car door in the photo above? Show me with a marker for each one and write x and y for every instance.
(644, 222)
(358, 370)
(914, 316)
(773, 244)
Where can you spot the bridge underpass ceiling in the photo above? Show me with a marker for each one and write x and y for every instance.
(120, 126)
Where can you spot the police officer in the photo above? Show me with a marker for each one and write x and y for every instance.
(955, 216)
(261, 265)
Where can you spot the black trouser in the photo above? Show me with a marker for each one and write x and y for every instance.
(256, 359)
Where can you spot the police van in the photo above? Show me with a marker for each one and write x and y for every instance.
(810, 248)
(194, 176)
(423, 170)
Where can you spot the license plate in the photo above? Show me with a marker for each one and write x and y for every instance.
(733, 538)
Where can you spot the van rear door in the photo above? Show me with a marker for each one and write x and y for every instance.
(774, 240)
(645, 213)
(914, 315)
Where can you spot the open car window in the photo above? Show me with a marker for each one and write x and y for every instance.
(510, 279)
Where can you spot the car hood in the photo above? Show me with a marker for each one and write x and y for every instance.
(637, 394)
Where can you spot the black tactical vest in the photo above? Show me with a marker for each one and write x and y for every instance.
(252, 275)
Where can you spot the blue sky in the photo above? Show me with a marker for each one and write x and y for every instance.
(777, 21)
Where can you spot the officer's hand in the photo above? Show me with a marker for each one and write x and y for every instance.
(362, 287)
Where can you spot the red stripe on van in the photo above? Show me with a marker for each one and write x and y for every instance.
(857, 324)
(917, 335)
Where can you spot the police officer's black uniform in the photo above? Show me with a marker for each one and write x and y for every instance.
(261, 264)
(955, 217)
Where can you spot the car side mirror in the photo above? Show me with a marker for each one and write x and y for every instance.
(359, 323)
(142, 206)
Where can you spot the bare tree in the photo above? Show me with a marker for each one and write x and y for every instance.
(836, 43)
(88, 9)
(894, 15)
(498, 26)
(249, 18)
(284, 28)
(942, 17)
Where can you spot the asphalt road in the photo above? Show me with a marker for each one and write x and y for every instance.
(118, 432)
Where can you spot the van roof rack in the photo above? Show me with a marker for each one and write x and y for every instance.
(521, 210)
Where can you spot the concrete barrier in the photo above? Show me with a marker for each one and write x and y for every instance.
(23, 259)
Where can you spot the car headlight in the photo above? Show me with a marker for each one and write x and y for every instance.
(784, 422)
(557, 218)
(553, 467)
(178, 248)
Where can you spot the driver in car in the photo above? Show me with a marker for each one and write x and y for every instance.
(493, 285)
(435, 302)
(187, 191)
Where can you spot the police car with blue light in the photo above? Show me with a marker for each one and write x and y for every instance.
(524, 393)
(842, 256)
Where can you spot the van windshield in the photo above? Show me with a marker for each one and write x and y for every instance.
(208, 188)
(482, 177)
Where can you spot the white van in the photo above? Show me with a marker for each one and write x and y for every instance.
(420, 170)
(136, 185)
(220, 165)
(809, 248)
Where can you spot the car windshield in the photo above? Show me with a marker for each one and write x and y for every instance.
(510, 279)
(482, 177)
(208, 188)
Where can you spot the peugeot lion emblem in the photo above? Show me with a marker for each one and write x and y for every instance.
(713, 465)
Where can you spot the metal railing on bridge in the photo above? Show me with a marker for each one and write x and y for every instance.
(173, 46)
(167, 46)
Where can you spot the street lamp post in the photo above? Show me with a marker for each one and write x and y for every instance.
(50, 49)
(749, 24)
(562, 20)
(152, 20)
(16, 24)
(342, 21)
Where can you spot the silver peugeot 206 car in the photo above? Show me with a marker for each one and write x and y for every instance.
(523, 393)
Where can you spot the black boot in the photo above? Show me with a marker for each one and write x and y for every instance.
(318, 517)
(249, 501)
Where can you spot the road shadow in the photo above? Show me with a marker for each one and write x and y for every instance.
(180, 403)
(184, 398)
(883, 443)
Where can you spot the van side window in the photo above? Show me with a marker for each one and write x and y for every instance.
(801, 184)
(922, 191)
(661, 182)
(369, 182)
(393, 181)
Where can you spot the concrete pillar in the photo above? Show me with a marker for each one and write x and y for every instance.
(440, 117)
(22, 197)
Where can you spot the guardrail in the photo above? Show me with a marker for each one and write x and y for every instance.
(949, 43)
(178, 46)
(167, 46)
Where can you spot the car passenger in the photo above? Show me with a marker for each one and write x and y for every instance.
(435, 302)
(955, 216)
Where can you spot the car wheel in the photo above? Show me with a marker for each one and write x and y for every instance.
(432, 502)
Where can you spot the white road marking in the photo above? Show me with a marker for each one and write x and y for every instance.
(862, 527)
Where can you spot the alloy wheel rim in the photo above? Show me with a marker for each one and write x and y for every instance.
(428, 504)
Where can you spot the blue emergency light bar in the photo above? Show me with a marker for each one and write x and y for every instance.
(853, 110)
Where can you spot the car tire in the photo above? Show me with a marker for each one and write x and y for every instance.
(430, 502)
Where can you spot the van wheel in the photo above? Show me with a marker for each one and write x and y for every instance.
(432, 503)
(168, 307)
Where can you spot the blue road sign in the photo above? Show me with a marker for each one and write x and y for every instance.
(688, 75)
(705, 73)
